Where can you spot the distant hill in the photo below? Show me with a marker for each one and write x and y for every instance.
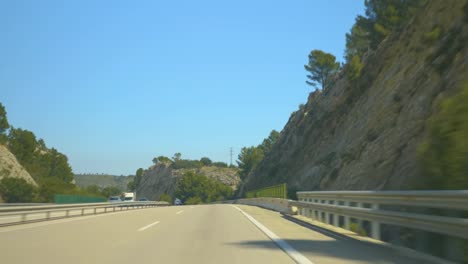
(161, 178)
(103, 180)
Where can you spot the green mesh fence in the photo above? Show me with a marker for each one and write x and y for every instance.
(276, 191)
(69, 199)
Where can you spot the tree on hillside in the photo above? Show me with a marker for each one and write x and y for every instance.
(358, 40)
(4, 125)
(322, 67)
(59, 167)
(268, 142)
(22, 143)
(138, 175)
(248, 159)
(162, 159)
(206, 161)
(177, 156)
(131, 186)
(111, 191)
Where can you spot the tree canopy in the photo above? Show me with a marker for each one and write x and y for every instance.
(322, 67)
(194, 188)
(16, 190)
(250, 157)
(48, 167)
(4, 125)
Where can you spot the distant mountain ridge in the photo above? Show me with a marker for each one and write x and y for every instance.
(103, 180)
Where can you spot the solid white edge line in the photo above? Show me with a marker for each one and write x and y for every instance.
(148, 226)
(294, 254)
(180, 212)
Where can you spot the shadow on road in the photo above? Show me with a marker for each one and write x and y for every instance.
(335, 249)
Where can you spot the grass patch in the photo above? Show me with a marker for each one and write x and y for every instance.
(356, 228)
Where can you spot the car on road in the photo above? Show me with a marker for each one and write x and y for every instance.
(114, 199)
(177, 201)
(143, 199)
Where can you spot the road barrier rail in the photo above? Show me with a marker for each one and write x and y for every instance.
(35, 213)
(376, 207)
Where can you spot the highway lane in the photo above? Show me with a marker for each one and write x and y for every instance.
(184, 234)
(180, 234)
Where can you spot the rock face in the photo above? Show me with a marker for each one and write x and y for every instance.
(161, 179)
(10, 167)
(365, 135)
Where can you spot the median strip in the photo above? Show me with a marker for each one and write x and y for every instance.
(294, 254)
(148, 226)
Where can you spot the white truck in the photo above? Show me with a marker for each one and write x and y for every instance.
(129, 197)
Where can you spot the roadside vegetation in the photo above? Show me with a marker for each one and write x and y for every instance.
(194, 188)
(250, 157)
(444, 152)
(48, 167)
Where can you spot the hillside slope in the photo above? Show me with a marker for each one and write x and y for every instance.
(10, 167)
(365, 135)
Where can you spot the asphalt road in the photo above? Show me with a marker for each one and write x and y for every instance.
(181, 234)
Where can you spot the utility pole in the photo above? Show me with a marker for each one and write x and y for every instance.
(231, 152)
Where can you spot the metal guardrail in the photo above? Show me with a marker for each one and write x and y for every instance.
(22, 214)
(330, 206)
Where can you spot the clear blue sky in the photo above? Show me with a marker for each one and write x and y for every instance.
(112, 84)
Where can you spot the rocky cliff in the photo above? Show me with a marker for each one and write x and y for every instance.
(161, 179)
(365, 135)
(10, 167)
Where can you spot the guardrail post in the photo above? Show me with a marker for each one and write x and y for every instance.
(359, 221)
(82, 211)
(375, 226)
(67, 213)
(327, 214)
(95, 210)
(336, 217)
(23, 217)
(47, 214)
(347, 225)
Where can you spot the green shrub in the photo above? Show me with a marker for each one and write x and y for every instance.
(433, 35)
(356, 228)
(194, 200)
(165, 198)
(16, 190)
(355, 68)
(443, 154)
